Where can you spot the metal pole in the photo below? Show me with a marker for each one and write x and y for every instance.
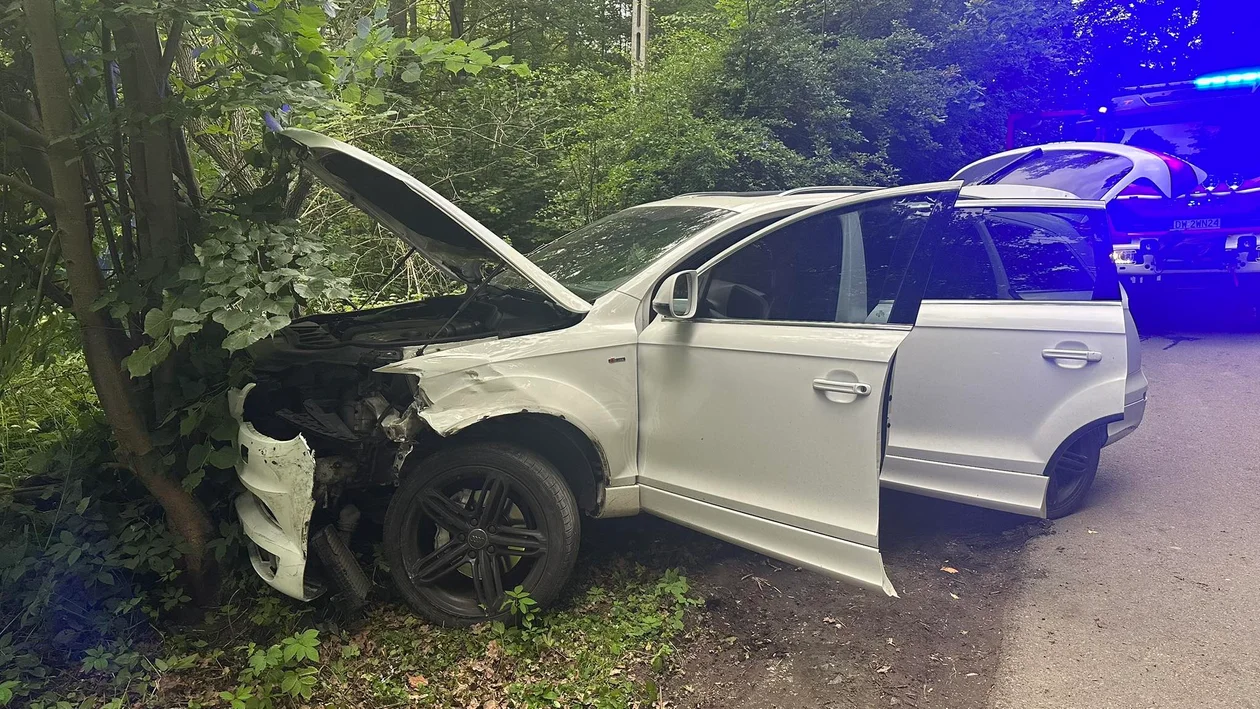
(638, 36)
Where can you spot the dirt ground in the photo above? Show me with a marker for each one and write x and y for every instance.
(771, 635)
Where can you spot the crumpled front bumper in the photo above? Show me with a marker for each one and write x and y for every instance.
(275, 511)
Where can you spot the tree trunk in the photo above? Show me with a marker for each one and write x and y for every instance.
(184, 513)
(458, 17)
(150, 131)
(396, 17)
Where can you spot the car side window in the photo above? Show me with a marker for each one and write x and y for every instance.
(964, 266)
(837, 266)
(1021, 254)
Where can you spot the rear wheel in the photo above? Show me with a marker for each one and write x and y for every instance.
(474, 522)
(1071, 474)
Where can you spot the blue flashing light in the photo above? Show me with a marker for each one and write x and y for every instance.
(1248, 77)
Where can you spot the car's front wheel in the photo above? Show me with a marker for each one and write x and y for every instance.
(1072, 474)
(475, 521)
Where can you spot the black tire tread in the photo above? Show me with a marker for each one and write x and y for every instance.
(342, 568)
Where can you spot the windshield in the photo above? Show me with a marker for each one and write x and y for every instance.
(1224, 147)
(1084, 173)
(604, 254)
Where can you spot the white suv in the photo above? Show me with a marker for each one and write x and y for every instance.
(753, 366)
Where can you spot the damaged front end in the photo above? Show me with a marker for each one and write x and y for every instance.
(324, 435)
(318, 443)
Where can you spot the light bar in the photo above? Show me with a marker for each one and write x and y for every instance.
(1246, 77)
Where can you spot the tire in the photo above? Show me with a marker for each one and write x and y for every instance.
(1072, 473)
(451, 566)
(343, 570)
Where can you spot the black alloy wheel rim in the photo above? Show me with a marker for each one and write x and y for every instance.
(470, 535)
(1069, 473)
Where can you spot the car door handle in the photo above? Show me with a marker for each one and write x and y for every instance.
(858, 388)
(1072, 355)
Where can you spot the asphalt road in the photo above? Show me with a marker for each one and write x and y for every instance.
(1150, 596)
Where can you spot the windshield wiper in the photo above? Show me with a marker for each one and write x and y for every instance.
(1009, 167)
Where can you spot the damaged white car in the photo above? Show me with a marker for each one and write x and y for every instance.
(755, 366)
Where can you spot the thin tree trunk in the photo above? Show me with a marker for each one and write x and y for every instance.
(458, 16)
(156, 193)
(118, 155)
(396, 17)
(184, 513)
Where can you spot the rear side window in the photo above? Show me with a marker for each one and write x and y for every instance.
(1022, 254)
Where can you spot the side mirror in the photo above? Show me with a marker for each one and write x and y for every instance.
(678, 297)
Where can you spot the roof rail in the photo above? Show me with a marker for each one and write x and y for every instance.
(776, 193)
(830, 188)
(762, 193)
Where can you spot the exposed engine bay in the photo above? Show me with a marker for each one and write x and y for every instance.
(316, 378)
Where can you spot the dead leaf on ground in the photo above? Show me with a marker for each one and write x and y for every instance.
(954, 596)
(417, 681)
(883, 670)
(493, 650)
(949, 569)
(1090, 531)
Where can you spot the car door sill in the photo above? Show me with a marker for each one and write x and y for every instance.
(849, 535)
(851, 562)
(1021, 493)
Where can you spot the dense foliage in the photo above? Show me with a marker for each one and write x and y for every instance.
(122, 323)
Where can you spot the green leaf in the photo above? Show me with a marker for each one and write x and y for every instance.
(212, 303)
(193, 479)
(197, 456)
(224, 458)
(352, 93)
(140, 362)
(179, 332)
(375, 97)
(231, 320)
(412, 73)
(80, 508)
(103, 301)
(186, 315)
(239, 340)
(156, 323)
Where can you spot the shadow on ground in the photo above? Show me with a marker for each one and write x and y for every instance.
(1183, 311)
(772, 635)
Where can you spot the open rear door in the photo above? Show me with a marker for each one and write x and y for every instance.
(1019, 347)
(762, 416)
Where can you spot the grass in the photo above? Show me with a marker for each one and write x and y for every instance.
(608, 645)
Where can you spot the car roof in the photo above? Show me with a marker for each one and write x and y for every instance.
(802, 198)
(746, 201)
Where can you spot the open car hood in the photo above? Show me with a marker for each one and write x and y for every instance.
(443, 233)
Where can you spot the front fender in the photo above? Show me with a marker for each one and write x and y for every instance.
(474, 395)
